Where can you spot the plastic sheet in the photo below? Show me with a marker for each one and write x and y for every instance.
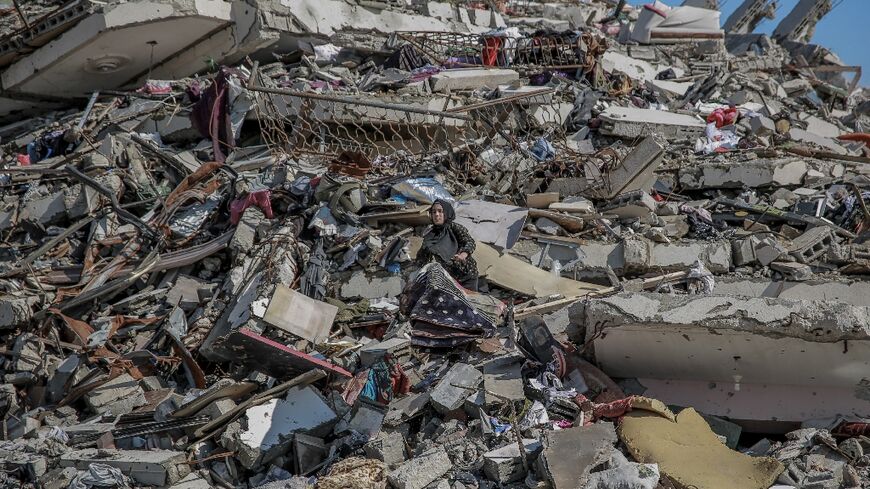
(424, 190)
(100, 475)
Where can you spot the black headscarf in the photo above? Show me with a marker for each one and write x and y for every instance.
(440, 240)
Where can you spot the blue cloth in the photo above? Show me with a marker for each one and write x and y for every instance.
(542, 150)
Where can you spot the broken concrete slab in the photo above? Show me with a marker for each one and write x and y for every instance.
(589, 446)
(302, 409)
(360, 285)
(145, 467)
(687, 342)
(492, 223)
(471, 79)
(757, 173)
(635, 171)
(630, 122)
(117, 396)
(503, 377)
(388, 447)
(421, 470)
(849, 292)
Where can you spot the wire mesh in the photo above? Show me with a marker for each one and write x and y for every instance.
(520, 134)
(567, 50)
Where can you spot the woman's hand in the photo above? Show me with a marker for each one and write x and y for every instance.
(461, 256)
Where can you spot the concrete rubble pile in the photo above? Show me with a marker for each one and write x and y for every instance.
(212, 214)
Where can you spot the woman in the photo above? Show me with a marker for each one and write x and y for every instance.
(449, 244)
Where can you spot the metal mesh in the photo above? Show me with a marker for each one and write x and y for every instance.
(473, 139)
(553, 51)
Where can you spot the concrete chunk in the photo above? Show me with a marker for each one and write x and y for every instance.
(505, 465)
(118, 396)
(454, 387)
(631, 205)
(792, 270)
(503, 376)
(16, 310)
(587, 445)
(374, 351)
(387, 447)
(762, 126)
(421, 471)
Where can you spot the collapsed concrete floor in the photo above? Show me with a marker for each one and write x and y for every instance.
(212, 274)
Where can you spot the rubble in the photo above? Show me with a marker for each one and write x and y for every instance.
(220, 264)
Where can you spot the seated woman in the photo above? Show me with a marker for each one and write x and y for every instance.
(449, 244)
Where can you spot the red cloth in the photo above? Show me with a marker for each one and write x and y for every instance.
(260, 198)
(852, 429)
(615, 409)
(353, 388)
(490, 51)
(652, 7)
(401, 382)
(723, 117)
(23, 160)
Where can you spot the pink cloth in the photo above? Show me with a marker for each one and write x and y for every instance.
(260, 198)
